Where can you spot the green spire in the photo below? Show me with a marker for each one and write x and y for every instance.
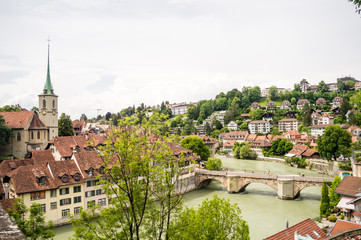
(48, 88)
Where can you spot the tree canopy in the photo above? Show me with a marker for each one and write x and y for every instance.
(214, 219)
(197, 145)
(5, 132)
(273, 93)
(10, 108)
(214, 164)
(32, 225)
(334, 142)
(65, 125)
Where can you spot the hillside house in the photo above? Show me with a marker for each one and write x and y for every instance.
(287, 124)
(260, 126)
(301, 103)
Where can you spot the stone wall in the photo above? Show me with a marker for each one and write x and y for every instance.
(324, 166)
(8, 229)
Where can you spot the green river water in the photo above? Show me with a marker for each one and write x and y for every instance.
(264, 212)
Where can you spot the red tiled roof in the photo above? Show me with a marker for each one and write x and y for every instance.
(305, 227)
(42, 156)
(258, 121)
(349, 186)
(7, 166)
(288, 120)
(309, 152)
(229, 143)
(299, 149)
(302, 101)
(17, 120)
(286, 102)
(36, 123)
(342, 225)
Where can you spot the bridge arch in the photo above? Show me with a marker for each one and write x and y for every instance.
(300, 186)
(203, 182)
(244, 184)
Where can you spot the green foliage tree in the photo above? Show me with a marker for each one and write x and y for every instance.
(334, 197)
(193, 112)
(325, 201)
(197, 145)
(140, 177)
(306, 115)
(233, 111)
(334, 142)
(340, 85)
(322, 87)
(65, 125)
(256, 114)
(35, 109)
(280, 147)
(273, 93)
(345, 107)
(32, 226)
(214, 164)
(356, 100)
(218, 125)
(214, 219)
(10, 108)
(357, 5)
(245, 152)
(84, 117)
(5, 132)
(355, 119)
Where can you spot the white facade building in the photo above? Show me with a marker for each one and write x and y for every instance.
(259, 127)
(287, 124)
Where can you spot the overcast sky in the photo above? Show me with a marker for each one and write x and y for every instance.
(110, 54)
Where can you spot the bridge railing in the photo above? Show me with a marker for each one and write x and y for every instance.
(265, 174)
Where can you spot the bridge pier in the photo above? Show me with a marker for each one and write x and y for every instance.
(285, 189)
(232, 185)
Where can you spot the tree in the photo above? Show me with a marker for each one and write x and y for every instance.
(306, 115)
(140, 178)
(280, 147)
(345, 107)
(85, 118)
(325, 201)
(218, 125)
(35, 109)
(334, 197)
(273, 93)
(10, 108)
(214, 164)
(245, 152)
(214, 219)
(5, 132)
(197, 145)
(65, 125)
(334, 142)
(340, 85)
(256, 114)
(357, 5)
(33, 226)
(356, 100)
(322, 87)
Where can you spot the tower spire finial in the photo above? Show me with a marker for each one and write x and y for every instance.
(48, 88)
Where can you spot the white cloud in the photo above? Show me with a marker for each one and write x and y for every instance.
(176, 50)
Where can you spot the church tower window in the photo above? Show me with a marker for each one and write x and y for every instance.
(18, 137)
(44, 103)
(32, 135)
(38, 134)
(53, 103)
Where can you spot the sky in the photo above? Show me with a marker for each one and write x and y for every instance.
(106, 55)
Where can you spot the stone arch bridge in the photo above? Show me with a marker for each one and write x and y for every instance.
(286, 186)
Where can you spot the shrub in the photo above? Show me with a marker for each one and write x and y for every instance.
(223, 152)
(342, 216)
(332, 218)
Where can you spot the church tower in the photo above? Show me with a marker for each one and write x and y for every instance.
(48, 106)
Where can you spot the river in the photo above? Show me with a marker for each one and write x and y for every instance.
(263, 211)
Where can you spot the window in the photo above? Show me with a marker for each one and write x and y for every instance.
(53, 103)
(90, 193)
(92, 183)
(99, 192)
(64, 191)
(77, 199)
(38, 134)
(64, 178)
(43, 208)
(53, 206)
(44, 103)
(91, 203)
(65, 201)
(40, 180)
(77, 189)
(37, 195)
(65, 213)
(18, 137)
(76, 210)
(53, 193)
(90, 171)
(102, 202)
(76, 177)
(32, 135)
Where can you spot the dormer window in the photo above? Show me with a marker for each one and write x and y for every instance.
(101, 170)
(76, 177)
(90, 172)
(64, 178)
(40, 180)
